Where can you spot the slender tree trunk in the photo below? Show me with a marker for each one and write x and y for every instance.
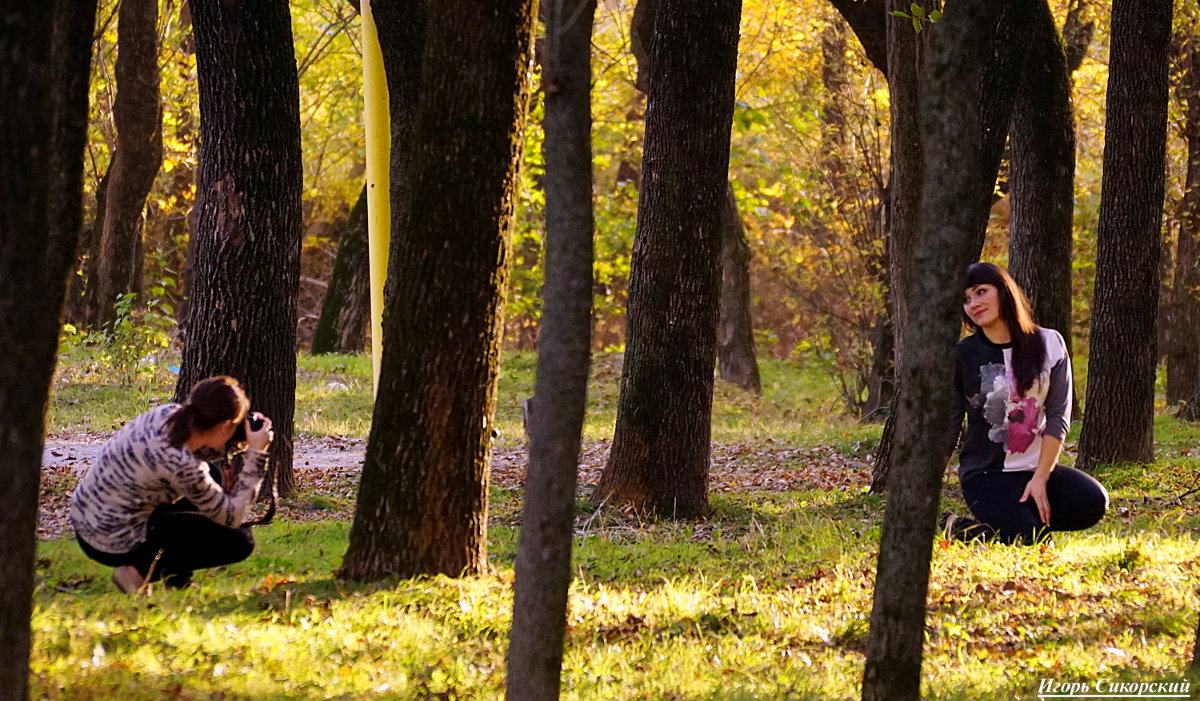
(1119, 423)
(904, 200)
(346, 309)
(422, 503)
(660, 452)
(954, 149)
(543, 567)
(137, 114)
(244, 254)
(868, 19)
(1183, 353)
(735, 332)
(1042, 178)
(44, 59)
(80, 290)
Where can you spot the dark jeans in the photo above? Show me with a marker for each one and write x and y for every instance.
(1077, 501)
(179, 540)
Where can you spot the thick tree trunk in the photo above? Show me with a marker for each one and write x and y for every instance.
(346, 309)
(137, 114)
(1042, 178)
(1119, 423)
(44, 59)
(543, 567)
(244, 254)
(422, 503)
(953, 149)
(998, 80)
(660, 452)
(1183, 353)
(735, 332)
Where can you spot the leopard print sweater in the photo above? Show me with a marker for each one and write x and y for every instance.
(138, 471)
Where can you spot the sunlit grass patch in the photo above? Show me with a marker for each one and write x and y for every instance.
(767, 599)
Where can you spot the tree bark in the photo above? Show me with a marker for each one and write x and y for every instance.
(422, 503)
(543, 566)
(45, 52)
(997, 85)
(660, 452)
(346, 309)
(869, 20)
(1042, 178)
(244, 253)
(954, 149)
(735, 332)
(1183, 353)
(137, 115)
(1119, 423)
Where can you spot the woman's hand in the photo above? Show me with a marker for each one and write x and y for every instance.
(261, 439)
(1037, 490)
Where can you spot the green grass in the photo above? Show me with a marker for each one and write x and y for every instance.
(767, 599)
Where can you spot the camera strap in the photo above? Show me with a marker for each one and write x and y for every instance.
(272, 496)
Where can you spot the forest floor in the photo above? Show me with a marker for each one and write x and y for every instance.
(328, 469)
(768, 598)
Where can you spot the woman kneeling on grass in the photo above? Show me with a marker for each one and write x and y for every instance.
(1014, 379)
(150, 506)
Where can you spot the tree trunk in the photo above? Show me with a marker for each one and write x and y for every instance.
(137, 115)
(998, 80)
(422, 503)
(45, 52)
(1183, 353)
(904, 199)
(735, 332)
(660, 451)
(543, 566)
(1119, 423)
(868, 19)
(954, 149)
(1042, 178)
(244, 253)
(346, 309)
(80, 290)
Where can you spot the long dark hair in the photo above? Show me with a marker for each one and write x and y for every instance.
(210, 402)
(1028, 348)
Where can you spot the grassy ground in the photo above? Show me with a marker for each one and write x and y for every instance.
(768, 599)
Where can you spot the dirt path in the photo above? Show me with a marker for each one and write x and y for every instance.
(328, 467)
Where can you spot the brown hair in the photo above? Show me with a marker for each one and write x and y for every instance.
(1029, 350)
(210, 402)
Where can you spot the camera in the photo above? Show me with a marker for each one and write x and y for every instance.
(237, 442)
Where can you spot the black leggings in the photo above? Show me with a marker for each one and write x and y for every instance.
(179, 539)
(1077, 501)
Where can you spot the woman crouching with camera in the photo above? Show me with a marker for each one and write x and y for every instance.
(150, 506)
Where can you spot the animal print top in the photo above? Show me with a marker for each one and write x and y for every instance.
(138, 471)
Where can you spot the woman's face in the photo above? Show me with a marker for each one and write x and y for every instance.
(982, 304)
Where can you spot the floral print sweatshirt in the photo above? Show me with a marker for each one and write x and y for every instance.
(1004, 429)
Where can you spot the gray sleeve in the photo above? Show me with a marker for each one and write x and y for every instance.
(1058, 400)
